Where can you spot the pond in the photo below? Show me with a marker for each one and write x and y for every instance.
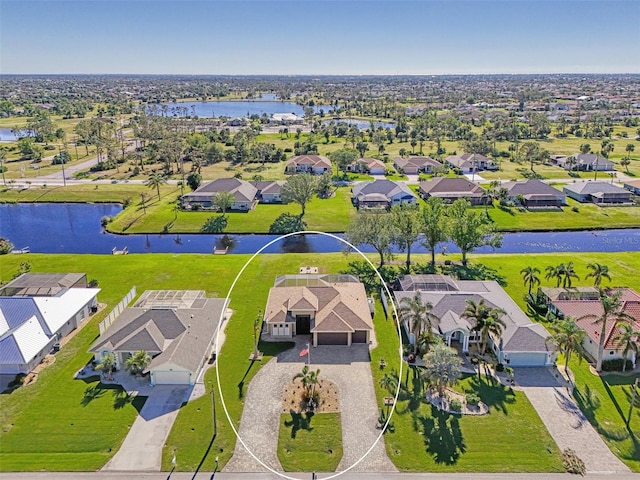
(75, 228)
(361, 124)
(7, 135)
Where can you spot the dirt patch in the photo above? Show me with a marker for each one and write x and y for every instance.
(329, 400)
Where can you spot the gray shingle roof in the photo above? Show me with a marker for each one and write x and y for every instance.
(531, 187)
(388, 188)
(451, 186)
(590, 188)
(242, 190)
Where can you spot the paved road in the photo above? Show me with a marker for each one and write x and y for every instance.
(565, 422)
(307, 476)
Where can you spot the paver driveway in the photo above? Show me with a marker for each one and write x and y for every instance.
(348, 368)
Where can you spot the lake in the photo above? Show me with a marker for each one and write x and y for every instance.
(75, 228)
(237, 108)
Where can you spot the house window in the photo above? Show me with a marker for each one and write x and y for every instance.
(611, 352)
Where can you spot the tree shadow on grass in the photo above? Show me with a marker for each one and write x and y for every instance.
(589, 402)
(92, 393)
(299, 421)
(411, 391)
(492, 393)
(442, 436)
(121, 399)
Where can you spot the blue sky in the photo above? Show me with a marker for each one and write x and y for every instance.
(320, 37)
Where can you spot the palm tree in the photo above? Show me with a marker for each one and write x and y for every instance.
(598, 272)
(137, 362)
(477, 312)
(569, 273)
(108, 363)
(418, 315)
(530, 276)
(155, 181)
(442, 367)
(568, 336)
(629, 341)
(491, 327)
(611, 312)
(308, 378)
(555, 272)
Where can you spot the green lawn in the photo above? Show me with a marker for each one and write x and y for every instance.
(512, 438)
(116, 193)
(308, 442)
(605, 401)
(329, 215)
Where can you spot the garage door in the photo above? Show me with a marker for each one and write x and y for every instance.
(333, 338)
(527, 359)
(171, 377)
(359, 337)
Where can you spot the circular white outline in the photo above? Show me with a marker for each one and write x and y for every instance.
(227, 301)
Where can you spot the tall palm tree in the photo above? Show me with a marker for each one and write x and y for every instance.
(598, 272)
(568, 336)
(555, 272)
(629, 341)
(568, 274)
(530, 276)
(418, 314)
(155, 181)
(476, 312)
(442, 367)
(611, 312)
(491, 327)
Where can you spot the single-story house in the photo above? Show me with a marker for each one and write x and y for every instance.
(415, 165)
(316, 164)
(470, 162)
(451, 189)
(586, 307)
(175, 327)
(523, 343)
(534, 194)
(597, 192)
(269, 191)
(244, 193)
(585, 162)
(372, 166)
(382, 194)
(38, 311)
(334, 309)
(633, 186)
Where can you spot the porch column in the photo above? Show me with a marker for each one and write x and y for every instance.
(449, 340)
(315, 339)
(465, 343)
(349, 336)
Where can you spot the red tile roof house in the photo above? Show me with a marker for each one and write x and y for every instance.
(451, 189)
(315, 164)
(415, 165)
(581, 302)
(334, 309)
(534, 194)
(244, 193)
(371, 166)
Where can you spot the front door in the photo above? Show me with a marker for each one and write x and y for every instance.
(303, 325)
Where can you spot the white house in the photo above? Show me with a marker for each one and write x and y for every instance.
(523, 343)
(30, 324)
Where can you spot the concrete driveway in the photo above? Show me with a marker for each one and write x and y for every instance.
(142, 448)
(567, 425)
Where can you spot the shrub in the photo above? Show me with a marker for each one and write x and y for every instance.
(102, 166)
(127, 201)
(500, 367)
(195, 207)
(615, 365)
(5, 246)
(575, 209)
(287, 223)
(472, 399)
(93, 283)
(455, 405)
(214, 224)
(572, 463)
(104, 221)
